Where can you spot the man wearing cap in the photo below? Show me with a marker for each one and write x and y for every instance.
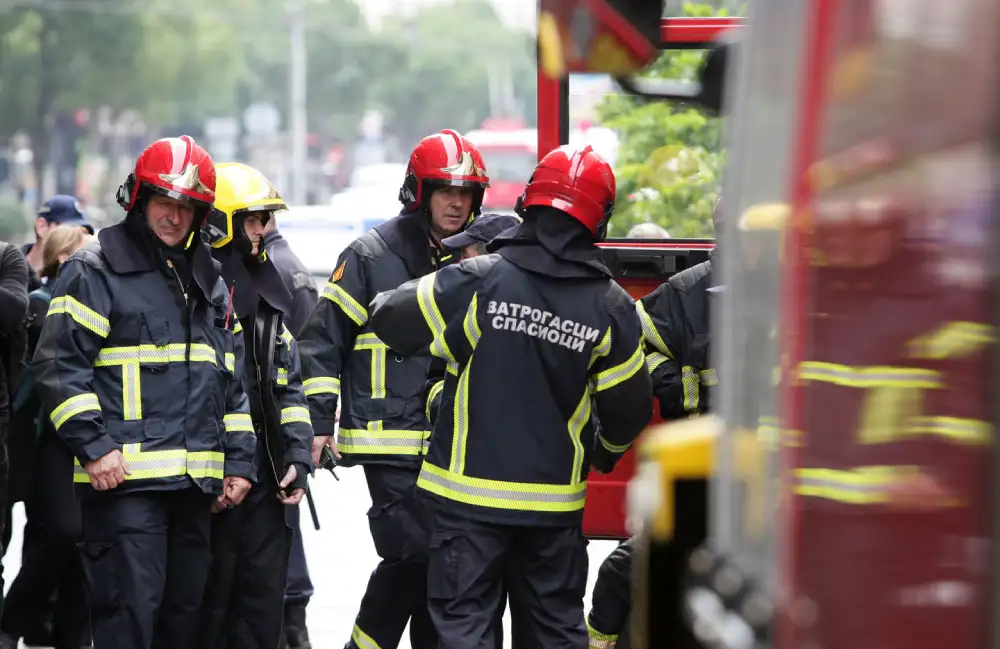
(58, 210)
(472, 241)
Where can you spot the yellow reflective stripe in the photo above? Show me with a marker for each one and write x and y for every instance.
(230, 361)
(620, 373)
(431, 395)
(149, 465)
(432, 316)
(708, 377)
(860, 486)
(321, 385)
(238, 422)
(286, 335)
(600, 640)
(601, 349)
(613, 448)
(689, 382)
(579, 419)
(869, 377)
(81, 314)
(76, 405)
(460, 425)
(649, 332)
(295, 415)
(965, 431)
(237, 327)
(131, 392)
(471, 323)
(520, 496)
(654, 360)
(955, 339)
(375, 440)
(357, 313)
(362, 639)
(149, 353)
(282, 376)
(379, 351)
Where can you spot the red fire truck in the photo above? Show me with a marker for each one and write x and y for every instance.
(854, 463)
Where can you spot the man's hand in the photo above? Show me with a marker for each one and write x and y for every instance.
(234, 490)
(319, 443)
(296, 496)
(108, 471)
(337, 416)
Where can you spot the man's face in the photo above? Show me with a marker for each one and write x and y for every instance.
(42, 227)
(472, 250)
(450, 208)
(169, 219)
(253, 225)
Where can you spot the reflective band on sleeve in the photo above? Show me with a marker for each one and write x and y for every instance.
(357, 313)
(286, 335)
(460, 414)
(649, 332)
(238, 422)
(230, 360)
(708, 377)
(965, 431)
(689, 382)
(521, 496)
(432, 317)
(654, 360)
(321, 385)
(282, 376)
(611, 377)
(362, 639)
(379, 352)
(81, 403)
(600, 640)
(577, 421)
(601, 349)
(869, 377)
(149, 465)
(295, 415)
(860, 486)
(432, 394)
(81, 314)
(613, 448)
(238, 327)
(471, 323)
(375, 440)
(953, 340)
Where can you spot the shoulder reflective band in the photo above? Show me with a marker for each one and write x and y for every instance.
(81, 314)
(336, 294)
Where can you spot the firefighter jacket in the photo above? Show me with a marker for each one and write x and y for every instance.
(382, 418)
(272, 381)
(140, 351)
(608, 621)
(296, 277)
(529, 356)
(676, 329)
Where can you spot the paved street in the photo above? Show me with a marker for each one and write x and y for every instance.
(340, 556)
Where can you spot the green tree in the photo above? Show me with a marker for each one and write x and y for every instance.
(671, 156)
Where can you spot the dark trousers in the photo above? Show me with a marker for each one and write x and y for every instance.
(46, 603)
(242, 608)
(545, 569)
(146, 556)
(299, 587)
(397, 589)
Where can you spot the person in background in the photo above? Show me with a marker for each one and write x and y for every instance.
(58, 210)
(611, 602)
(299, 587)
(647, 231)
(46, 604)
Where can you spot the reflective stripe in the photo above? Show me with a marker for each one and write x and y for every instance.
(81, 314)
(601, 349)
(600, 640)
(966, 431)
(374, 440)
(76, 405)
(362, 639)
(649, 332)
(379, 352)
(471, 322)
(432, 316)
(955, 339)
(579, 419)
(357, 313)
(282, 376)
(654, 360)
(238, 422)
(613, 448)
(521, 496)
(321, 385)
(620, 373)
(295, 415)
(286, 335)
(859, 486)
(869, 377)
(689, 382)
(230, 361)
(150, 465)
(708, 377)
(238, 327)
(131, 392)
(460, 423)
(431, 395)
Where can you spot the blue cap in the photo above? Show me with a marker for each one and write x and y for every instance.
(482, 230)
(62, 209)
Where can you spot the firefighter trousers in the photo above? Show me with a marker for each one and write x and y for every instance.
(397, 589)
(145, 559)
(242, 608)
(546, 572)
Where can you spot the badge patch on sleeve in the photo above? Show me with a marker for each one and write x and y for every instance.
(337, 274)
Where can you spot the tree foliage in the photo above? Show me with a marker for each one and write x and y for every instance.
(671, 156)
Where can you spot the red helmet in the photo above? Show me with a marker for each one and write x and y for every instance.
(578, 182)
(176, 167)
(443, 159)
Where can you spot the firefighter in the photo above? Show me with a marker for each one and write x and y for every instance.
(250, 544)
(138, 367)
(543, 324)
(382, 423)
(611, 603)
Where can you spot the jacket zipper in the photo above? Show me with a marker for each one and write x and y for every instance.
(170, 264)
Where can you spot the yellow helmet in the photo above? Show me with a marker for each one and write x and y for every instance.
(239, 190)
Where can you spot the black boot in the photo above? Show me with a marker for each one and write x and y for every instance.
(296, 633)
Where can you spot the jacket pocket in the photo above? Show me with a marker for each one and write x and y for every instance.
(102, 568)
(154, 336)
(224, 341)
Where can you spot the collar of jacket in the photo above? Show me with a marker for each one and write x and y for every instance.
(549, 242)
(407, 235)
(253, 281)
(128, 250)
